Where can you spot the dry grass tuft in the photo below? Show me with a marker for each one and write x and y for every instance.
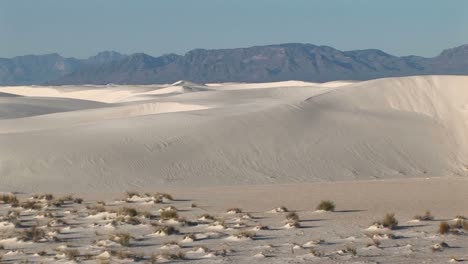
(389, 221)
(122, 238)
(9, 199)
(169, 214)
(326, 205)
(167, 230)
(444, 228)
(292, 217)
(426, 217)
(33, 234)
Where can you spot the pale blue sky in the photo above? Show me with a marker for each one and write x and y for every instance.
(82, 28)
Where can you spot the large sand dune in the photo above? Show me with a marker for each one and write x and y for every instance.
(115, 138)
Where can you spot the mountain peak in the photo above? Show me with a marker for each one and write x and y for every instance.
(105, 57)
(455, 52)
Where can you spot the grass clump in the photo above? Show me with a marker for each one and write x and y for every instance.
(326, 205)
(9, 199)
(128, 211)
(444, 228)
(351, 250)
(245, 234)
(292, 217)
(234, 211)
(33, 234)
(72, 254)
(426, 217)
(33, 205)
(164, 195)
(389, 221)
(167, 230)
(122, 238)
(169, 214)
(316, 253)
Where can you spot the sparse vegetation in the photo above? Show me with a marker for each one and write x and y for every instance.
(167, 230)
(234, 211)
(169, 214)
(9, 199)
(128, 211)
(426, 217)
(292, 216)
(245, 234)
(33, 234)
(164, 195)
(326, 205)
(444, 228)
(315, 252)
(351, 250)
(33, 205)
(389, 221)
(72, 254)
(122, 238)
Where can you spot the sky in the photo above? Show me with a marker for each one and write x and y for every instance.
(82, 28)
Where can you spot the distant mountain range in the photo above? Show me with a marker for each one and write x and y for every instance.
(290, 61)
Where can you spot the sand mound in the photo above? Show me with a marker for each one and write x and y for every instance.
(231, 134)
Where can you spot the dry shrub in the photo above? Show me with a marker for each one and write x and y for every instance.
(168, 230)
(33, 234)
(33, 205)
(292, 217)
(72, 254)
(122, 238)
(426, 217)
(234, 210)
(9, 199)
(128, 211)
(164, 195)
(245, 234)
(444, 228)
(326, 205)
(388, 221)
(169, 214)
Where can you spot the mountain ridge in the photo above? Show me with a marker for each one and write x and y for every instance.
(277, 62)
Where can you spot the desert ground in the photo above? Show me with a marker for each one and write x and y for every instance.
(236, 172)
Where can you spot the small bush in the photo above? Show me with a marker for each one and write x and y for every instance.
(9, 199)
(130, 194)
(170, 214)
(350, 250)
(326, 205)
(281, 209)
(47, 196)
(389, 221)
(72, 254)
(128, 211)
(208, 217)
(245, 234)
(234, 210)
(122, 238)
(444, 228)
(426, 217)
(315, 252)
(164, 195)
(33, 234)
(33, 205)
(292, 217)
(167, 230)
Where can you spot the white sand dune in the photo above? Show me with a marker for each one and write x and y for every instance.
(224, 134)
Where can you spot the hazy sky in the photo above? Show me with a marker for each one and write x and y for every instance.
(81, 28)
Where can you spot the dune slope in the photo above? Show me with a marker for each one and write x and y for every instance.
(241, 134)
